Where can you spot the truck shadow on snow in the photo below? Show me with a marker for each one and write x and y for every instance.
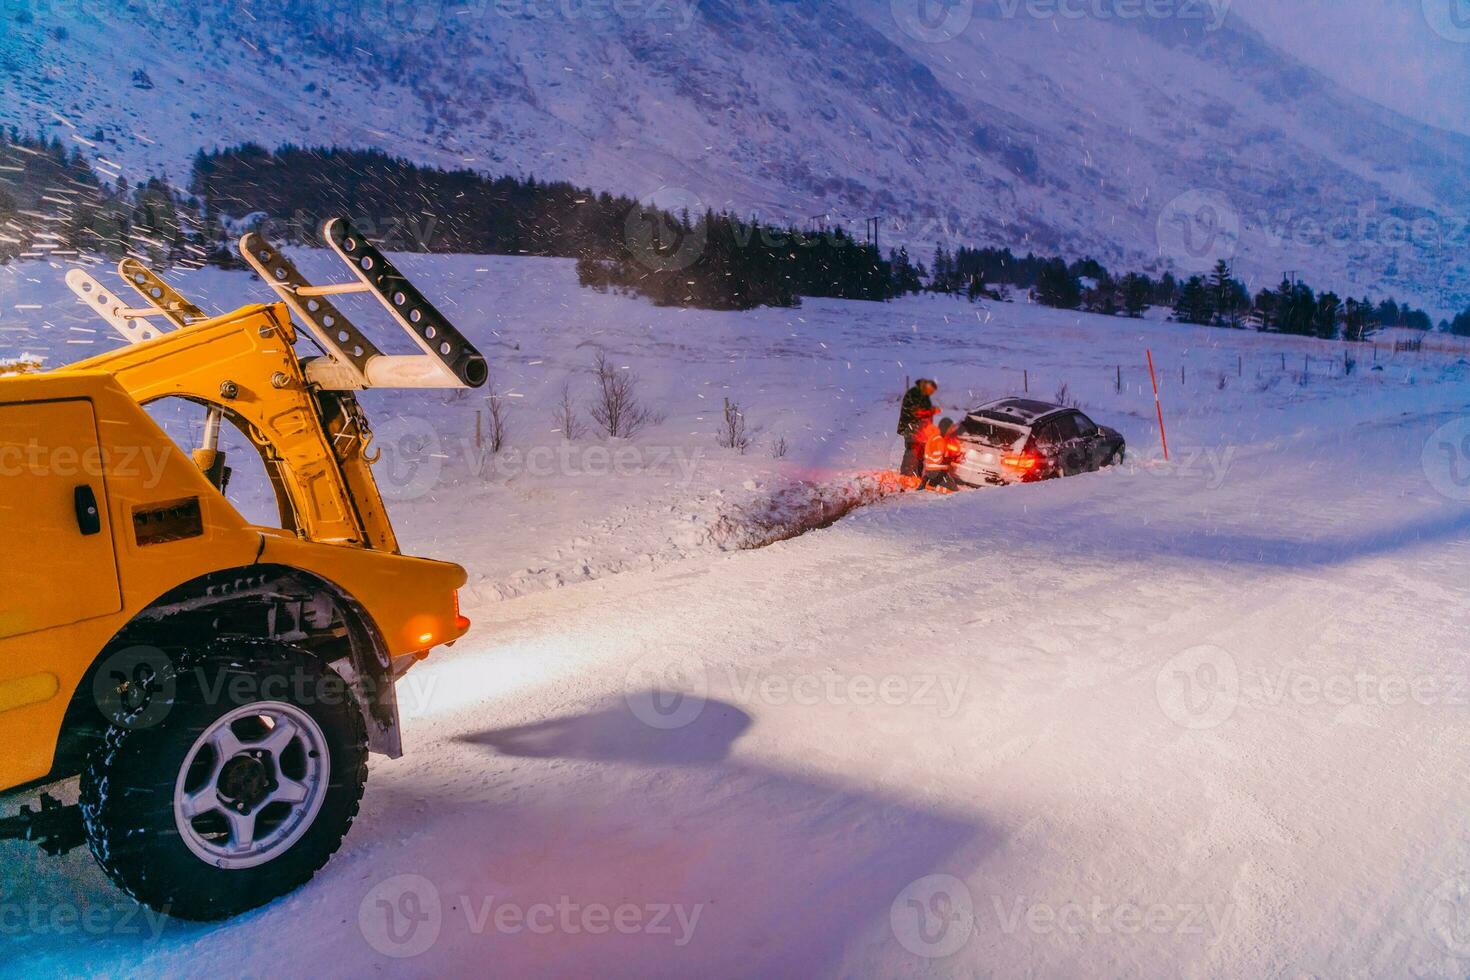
(789, 872)
(621, 849)
(614, 734)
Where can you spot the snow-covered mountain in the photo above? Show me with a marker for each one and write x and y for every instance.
(1172, 141)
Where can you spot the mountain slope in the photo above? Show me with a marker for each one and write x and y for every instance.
(1078, 135)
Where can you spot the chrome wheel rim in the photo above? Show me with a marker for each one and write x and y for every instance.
(252, 785)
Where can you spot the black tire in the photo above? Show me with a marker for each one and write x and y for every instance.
(129, 784)
(1119, 455)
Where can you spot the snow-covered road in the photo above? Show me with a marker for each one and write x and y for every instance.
(1130, 723)
(1198, 719)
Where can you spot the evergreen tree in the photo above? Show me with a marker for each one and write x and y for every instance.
(1297, 308)
(1266, 305)
(1353, 320)
(1460, 325)
(1102, 297)
(1088, 268)
(1166, 293)
(942, 280)
(1388, 313)
(905, 276)
(1329, 308)
(1193, 305)
(1223, 296)
(1056, 286)
(1136, 291)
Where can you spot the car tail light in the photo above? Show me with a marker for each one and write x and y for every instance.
(1021, 462)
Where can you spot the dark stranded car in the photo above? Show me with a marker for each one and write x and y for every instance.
(1019, 440)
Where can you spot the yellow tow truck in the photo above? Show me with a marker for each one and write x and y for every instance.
(216, 685)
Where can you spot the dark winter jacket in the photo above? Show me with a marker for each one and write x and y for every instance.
(915, 411)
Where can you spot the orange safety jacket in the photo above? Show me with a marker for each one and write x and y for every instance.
(941, 452)
(926, 431)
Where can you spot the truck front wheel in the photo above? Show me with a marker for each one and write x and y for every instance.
(235, 790)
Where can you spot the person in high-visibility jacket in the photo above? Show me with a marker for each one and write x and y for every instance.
(920, 437)
(942, 452)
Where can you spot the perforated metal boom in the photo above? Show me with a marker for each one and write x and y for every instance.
(136, 324)
(168, 300)
(353, 361)
(429, 328)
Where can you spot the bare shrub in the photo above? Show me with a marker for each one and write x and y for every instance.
(497, 420)
(566, 416)
(733, 434)
(615, 406)
(780, 447)
(1064, 397)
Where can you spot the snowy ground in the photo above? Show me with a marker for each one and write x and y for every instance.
(1205, 717)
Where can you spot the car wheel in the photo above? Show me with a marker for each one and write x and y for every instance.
(1118, 456)
(240, 786)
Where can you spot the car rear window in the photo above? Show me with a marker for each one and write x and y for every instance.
(991, 432)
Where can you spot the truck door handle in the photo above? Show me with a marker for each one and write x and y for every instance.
(89, 518)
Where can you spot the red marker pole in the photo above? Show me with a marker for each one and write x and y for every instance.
(1157, 405)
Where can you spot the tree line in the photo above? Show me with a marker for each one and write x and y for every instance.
(714, 259)
(1217, 299)
(53, 202)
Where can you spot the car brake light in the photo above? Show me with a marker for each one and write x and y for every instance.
(1025, 462)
